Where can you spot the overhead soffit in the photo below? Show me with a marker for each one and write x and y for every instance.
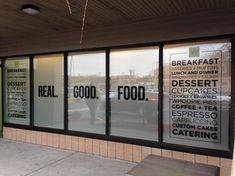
(55, 16)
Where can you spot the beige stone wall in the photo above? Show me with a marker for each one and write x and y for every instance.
(117, 150)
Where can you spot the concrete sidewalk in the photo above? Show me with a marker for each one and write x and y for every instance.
(21, 159)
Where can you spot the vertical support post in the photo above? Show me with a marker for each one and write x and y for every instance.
(160, 103)
(66, 92)
(108, 108)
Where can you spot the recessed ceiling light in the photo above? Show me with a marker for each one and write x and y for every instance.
(30, 9)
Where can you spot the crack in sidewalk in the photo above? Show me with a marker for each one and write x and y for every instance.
(50, 164)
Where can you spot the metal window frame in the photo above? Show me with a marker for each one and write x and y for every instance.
(107, 136)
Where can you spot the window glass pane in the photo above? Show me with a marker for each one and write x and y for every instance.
(49, 91)
(197, 81)
(17, 91)
(134, 93)
(86, 92)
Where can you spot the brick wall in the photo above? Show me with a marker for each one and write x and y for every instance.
(117, 150)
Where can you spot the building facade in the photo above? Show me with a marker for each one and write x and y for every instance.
(162, 86)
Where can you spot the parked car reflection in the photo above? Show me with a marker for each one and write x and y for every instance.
(146, 109)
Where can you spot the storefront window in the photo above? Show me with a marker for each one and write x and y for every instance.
(17, 91)
(86, 92)
(49, 91)
(134, 93)
(197, 92)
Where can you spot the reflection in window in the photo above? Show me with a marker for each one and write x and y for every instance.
(134, 93)
(86, 92)
(197, 81)
(49, 91)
